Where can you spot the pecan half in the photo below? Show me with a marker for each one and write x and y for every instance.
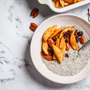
(48, 57)
(33, 26)
(82, 40)
(50, 42)
(67, 46)
(34, 12)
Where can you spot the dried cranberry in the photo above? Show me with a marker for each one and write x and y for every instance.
(54, 38)
(69, 32)
(66, 55)
(66, 41)
(76, 32)
(50, 49)
(80, 33)
(77, 39)
(65, 35)
(52, 53)
(42, 52)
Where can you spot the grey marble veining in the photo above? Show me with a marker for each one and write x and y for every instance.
(16, 68)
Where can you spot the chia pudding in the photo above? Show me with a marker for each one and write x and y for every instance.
(73, 64)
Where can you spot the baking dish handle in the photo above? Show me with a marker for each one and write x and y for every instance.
(44, 1)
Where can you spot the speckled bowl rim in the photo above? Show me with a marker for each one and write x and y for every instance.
(32, 45)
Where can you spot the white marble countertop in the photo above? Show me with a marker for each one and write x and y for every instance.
(16, 69)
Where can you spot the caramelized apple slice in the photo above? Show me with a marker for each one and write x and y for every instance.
(58, 53)
(66, 3)
(62, 3)
(54, 57)
(75, 1)
(73, 42)
(65, 30)
(56, 32)
(69, 1)
(49, 32)
(57, 44)
(62, 46)
(45, 47)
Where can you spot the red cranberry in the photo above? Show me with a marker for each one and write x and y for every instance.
(66, 41)
(76, 32)
(69, 32)
(50, 49)
(77, 39)
(66, 55)
(42, 52)
(80, 33)
(52, 53)
(54, 38)
(65, 35)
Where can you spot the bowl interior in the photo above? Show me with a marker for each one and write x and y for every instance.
(35, 49)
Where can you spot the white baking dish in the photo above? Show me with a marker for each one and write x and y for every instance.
(50, 4)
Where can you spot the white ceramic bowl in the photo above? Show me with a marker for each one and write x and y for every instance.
(35, 48)
(59, 10)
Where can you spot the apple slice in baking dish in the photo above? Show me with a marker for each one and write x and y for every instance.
(49, 32)
(69, 1)
(75, 1)
(62, 2)
(73, 42)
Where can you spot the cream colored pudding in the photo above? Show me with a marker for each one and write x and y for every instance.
(73, 64)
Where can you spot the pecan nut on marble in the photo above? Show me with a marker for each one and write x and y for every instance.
(34, 12)
(33, 26)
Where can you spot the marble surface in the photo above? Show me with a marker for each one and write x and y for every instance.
(16, 68)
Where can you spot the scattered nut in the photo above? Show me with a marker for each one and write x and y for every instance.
(82, 40)
(48, 57)
(33, 26)
(67, 46)
(50, 42)
(34, 12)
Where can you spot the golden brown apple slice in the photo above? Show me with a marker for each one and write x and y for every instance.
(56, 32)
(62, 45)
(45, 47)
(66, 3)
(62, 3)
(54, 57)
(75, 1)
(57, 44)
(65, 30)
(49, 32)
(73, 42)
(69, 1)
(58, 53)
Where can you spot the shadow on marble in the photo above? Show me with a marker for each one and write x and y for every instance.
(44, 9)
(37, 77)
